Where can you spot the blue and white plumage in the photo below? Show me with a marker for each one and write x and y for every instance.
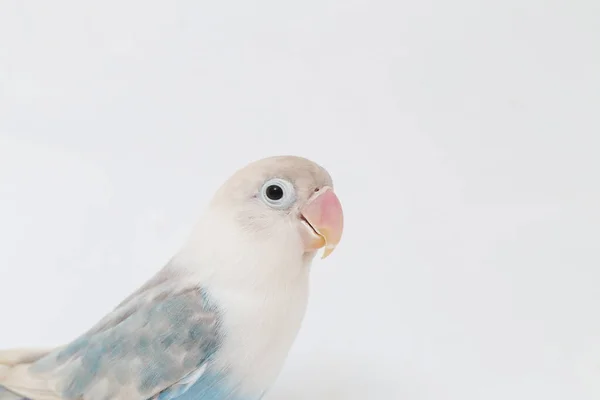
(218, 320)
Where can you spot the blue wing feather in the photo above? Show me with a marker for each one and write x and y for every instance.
(153, 348)
(157, 344)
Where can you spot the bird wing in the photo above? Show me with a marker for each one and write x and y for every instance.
(159, 338)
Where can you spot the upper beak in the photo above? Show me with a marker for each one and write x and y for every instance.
(323, 221)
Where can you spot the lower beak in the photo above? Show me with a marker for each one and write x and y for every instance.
(323, 222)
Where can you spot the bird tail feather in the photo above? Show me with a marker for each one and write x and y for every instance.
(13, 357)
(8, 395)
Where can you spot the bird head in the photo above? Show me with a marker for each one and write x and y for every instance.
(285, 197)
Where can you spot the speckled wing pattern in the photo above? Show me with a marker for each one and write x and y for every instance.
(156, 344)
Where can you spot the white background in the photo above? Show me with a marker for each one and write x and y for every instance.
(462, 137)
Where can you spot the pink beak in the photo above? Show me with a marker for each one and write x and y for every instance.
(323, 221)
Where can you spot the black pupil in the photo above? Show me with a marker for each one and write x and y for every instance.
(274, 192)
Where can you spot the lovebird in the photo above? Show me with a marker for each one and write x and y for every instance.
(218, 320)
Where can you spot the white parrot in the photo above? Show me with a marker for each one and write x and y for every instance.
(218, 320)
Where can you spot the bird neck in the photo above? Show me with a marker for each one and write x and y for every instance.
(220, 253)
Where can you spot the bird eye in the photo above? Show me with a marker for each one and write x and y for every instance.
(274, 192)
(278, 193)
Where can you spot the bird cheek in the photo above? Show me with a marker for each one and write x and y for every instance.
(322, 222)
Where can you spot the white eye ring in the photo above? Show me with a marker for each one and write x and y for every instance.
(278, 193)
